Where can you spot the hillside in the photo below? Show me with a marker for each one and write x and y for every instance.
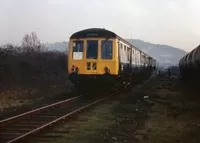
(58, 46)
(164, 54)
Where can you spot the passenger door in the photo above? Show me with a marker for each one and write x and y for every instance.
(91, 56)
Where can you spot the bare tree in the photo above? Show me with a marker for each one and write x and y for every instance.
(31, 42)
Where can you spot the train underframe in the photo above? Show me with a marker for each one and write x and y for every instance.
(92, 83)
(106, 82)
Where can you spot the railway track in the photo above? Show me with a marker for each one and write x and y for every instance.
(18, 128)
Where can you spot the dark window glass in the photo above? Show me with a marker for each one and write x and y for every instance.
(92, 49)
(78, 46)
(128, 53)
(106, 49)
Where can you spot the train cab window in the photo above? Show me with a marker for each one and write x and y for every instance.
(92, 49)
(106, 49)
(77, 50)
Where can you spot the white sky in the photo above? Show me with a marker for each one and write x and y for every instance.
(170, 22)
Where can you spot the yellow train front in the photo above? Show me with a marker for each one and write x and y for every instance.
(95, 58)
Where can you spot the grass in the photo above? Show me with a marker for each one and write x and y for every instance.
(166, 116)
(174, 122)
(114, 121)
(87, 126)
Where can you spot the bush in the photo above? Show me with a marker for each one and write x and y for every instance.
(17, 64)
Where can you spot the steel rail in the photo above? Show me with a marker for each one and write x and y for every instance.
(56, 120)
(38, 109)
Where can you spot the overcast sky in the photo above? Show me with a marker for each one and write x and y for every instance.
(170, 22)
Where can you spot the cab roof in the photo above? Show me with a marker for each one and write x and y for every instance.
(93, 32)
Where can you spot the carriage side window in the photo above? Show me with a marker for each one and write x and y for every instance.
(106, 49)
(128, 54)
(120, 50)
(133, 52)
(142, 59)
(77, 50)
(133, 56)
(92, 49)
(124, 53)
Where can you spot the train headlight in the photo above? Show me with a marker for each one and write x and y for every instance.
(107, 70)
(74, 69)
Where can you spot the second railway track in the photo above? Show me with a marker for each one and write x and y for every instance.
(19, 127)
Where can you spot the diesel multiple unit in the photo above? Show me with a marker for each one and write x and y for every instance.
(101, 54)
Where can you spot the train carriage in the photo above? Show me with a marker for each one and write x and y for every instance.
(101, 55)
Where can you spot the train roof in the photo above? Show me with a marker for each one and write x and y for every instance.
(99, 32)
(94, 32)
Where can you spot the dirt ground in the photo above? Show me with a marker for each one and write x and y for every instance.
(162, 110)
(24, 97)
(29, 79)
